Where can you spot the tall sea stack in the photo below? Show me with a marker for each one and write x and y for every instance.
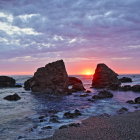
(104, 77)
(52, 78)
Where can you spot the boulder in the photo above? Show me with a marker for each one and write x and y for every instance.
(27, 85)
(125, 88)
(70, 115)
(75, 84)
(104, 77)
(6, 81)
(122, 110)
(130, 102)
(136, 88)
(52, 78)
(137, 100)
(125, 80)
(13, 97)
(103, 94)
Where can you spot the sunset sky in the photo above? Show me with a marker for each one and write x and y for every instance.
(81, 32)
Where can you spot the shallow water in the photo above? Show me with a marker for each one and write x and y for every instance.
(21, 118)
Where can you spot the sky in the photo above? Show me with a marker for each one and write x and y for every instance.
(81, 32)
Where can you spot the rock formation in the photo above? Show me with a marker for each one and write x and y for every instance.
(104, 77)
(103, 94)
(76, 84)
(6, 81)
(52, 78)
(13, 97)
(125, 80)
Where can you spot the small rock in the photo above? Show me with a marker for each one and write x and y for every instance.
(125, 88)
(103, 94)
(87, 91)
(14, 97)
(70, 115)
(91, 100)
(18, 86)
(21, 137)
(136, 88)
(122, 110)
(53, 111)
(41, 117)
(42, 120)
(63, 126)
(137, 100)
(54, 120)
(74, 124)
(125, 80)
(130, 102)
(46, 127)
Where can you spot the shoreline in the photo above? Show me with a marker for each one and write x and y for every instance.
(116, 127)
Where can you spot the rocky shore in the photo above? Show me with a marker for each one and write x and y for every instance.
(119, 127)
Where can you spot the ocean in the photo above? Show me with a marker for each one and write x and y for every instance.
(20, 119)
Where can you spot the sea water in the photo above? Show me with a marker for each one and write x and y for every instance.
(20, 119)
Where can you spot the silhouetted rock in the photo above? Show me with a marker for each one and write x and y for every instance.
(46, 127)
(122, 110)
(76, 84)
(70, 115)
(6, 81)
(27, 84)
(125, 80)
(137, 100)
(130, 102)
(103, 94)
(104, 77)
(74, 125)
(18, 86)
(125, 88)
(13, 97)
(51, 79)
(87, 91)
(63, 126)
(136, 88)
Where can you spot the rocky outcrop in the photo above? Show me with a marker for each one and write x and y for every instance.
(125, 80)
(51, 79)
(125, 88)
(75, 84)
(104, 77)
(6, 81)
(136, 88)
(137, 100)
(14, 97)
(103, 94)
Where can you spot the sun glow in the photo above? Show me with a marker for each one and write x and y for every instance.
(87, 72)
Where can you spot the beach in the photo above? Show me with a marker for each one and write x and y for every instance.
(117, 127)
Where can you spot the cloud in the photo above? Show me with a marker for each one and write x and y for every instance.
(72, 29)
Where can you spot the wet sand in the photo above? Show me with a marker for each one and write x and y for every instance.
(118, 127)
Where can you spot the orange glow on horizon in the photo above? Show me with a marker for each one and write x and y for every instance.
(87, 72)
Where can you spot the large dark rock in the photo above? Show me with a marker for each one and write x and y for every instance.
(6, 81)
(13, 97)
(52, 78)
(103, 94)
(104, 77)
(125, 80)
(136, 88)
(76, 84)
